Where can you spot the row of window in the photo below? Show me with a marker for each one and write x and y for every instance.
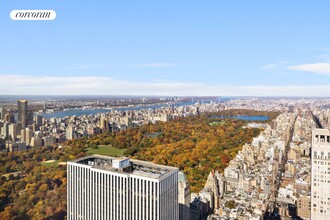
(321, 162)
(321, 155)
(97, 194)
(322, 138)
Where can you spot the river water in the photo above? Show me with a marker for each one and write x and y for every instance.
(79, 112)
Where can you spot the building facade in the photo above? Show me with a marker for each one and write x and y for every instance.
(102, 187)
(2, 113)
(320, 176)
(184, 197)
(12, 132)
(304, 207)
(22, 107)
(70, 133)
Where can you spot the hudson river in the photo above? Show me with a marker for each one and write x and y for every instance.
(79, 112)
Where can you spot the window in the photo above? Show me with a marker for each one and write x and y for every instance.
(322, 138)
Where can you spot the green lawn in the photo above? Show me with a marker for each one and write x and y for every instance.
(153, 135)
(48, 164)
(215, 123)
(107, 150)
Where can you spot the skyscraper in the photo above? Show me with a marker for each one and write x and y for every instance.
(104, 125)
(5, 130)
(38, 119)
(12, 132)
(102, 187)
(22, 107)
(23, 135)
(2, 113)
(70, 133)
(320, 176)
(184, 197)
(28, 136)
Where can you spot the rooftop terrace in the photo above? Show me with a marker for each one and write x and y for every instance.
(126, 165)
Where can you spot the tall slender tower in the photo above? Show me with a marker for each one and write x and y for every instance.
(28, 136)
(22, 106)
(12, 132)
(320, 176)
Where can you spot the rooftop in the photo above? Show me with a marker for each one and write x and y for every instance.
(126, 165)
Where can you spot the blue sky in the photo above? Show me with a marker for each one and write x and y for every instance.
(218, 47)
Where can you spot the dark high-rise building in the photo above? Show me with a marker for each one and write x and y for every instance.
(38, 120)
(22, 106)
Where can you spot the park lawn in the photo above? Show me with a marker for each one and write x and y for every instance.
(215, 123)
(48, 164)
(106, 150)
(153, 135)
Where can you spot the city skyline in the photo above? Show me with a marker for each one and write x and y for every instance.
(240, 158)
(167, 48)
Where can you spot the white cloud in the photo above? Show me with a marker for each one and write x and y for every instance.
(153, 65)
(320, 68)
(273, 65)
(74, 85)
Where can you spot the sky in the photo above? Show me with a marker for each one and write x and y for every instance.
(167, 48)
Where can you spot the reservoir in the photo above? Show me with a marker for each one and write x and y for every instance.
(244, 117)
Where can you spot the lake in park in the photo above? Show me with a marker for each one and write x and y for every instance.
(244, 117)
